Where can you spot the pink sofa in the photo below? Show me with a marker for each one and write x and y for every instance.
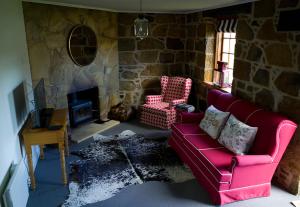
(226, 176)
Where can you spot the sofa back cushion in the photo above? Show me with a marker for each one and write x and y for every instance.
(213, 121)
(268, 139)
(237, 136)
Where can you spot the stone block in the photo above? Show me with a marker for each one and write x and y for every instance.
(149, 44)
(129, 75)
(176, 69)
(126, 18)
(176, 31)
(175, 44)
(240, 85)
(254, 53)
(265, 99)
(179, 57)
(264, 8)
(279, 55)
(210, 30)
(155, 70)
(244, 31)
(298, 61)
(166, 57)
(125, 30)
(191, 31)
(290, 107)
(151, 83)
(126, 58)
(210, 46)
(288, 3)
(242, 70)
(165, 18)
(200, 59)
(160, 30)
(127, 85)
(262, 77)
(202, 30)
(267, 32)
(190, 43)
(200, 45)
(147, 56)
(238, 50)
(126, 44)
(289, 82)
(243, 95)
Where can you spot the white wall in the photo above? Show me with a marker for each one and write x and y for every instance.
(14, 69)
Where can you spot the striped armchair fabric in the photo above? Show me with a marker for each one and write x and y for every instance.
(159, 110)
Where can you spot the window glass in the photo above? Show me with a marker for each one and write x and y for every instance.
(226, 43)
(231, 61)
(232, 46)
(225, 51)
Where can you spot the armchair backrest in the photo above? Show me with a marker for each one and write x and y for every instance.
(173, 88)
(274, 131)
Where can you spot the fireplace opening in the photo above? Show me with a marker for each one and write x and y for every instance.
(83, 106)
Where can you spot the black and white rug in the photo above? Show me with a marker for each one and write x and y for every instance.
(111, 163)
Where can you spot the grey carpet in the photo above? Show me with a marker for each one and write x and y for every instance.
(51, 193)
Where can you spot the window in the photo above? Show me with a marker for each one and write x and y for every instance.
(225, 47)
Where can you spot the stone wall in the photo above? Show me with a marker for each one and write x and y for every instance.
(143, 62)
(200, 53)
(47, 29)
(267, 72)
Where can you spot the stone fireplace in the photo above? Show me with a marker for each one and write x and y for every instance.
(47, 29)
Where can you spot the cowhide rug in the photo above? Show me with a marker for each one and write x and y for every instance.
(111, 163)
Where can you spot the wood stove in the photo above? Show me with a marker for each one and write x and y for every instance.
(83, 106)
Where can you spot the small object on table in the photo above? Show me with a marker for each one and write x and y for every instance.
(183, 107)
(54, 127)
(43, 136)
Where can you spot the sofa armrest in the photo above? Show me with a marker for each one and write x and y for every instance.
(177, 101)
(153, 99)
(248, 160)
(186, 117)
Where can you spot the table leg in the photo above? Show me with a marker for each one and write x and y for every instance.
(42, 155)
(63, 162)
(30, 166)
(66, 142)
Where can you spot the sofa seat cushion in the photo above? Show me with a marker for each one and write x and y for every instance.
(187, 129)
(202, 142)
(161, 108)
(203, 149)
(218, 161)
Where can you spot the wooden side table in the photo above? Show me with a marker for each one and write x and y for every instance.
(44, 136)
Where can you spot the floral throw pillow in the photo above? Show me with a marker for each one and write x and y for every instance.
(213, 121)
(237, 136)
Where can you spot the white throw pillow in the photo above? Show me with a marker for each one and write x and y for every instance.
(213, 121)
(237, 136)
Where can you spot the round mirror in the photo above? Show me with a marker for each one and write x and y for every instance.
(82, 45)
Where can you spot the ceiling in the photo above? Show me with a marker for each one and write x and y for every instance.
(148, 6)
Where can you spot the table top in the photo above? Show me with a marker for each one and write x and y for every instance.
(59, 117)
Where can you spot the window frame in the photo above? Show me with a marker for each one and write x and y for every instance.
(219, 50)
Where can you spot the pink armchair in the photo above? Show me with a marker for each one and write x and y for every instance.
(159, 110)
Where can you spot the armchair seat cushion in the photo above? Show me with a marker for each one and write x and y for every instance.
(161, 108)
